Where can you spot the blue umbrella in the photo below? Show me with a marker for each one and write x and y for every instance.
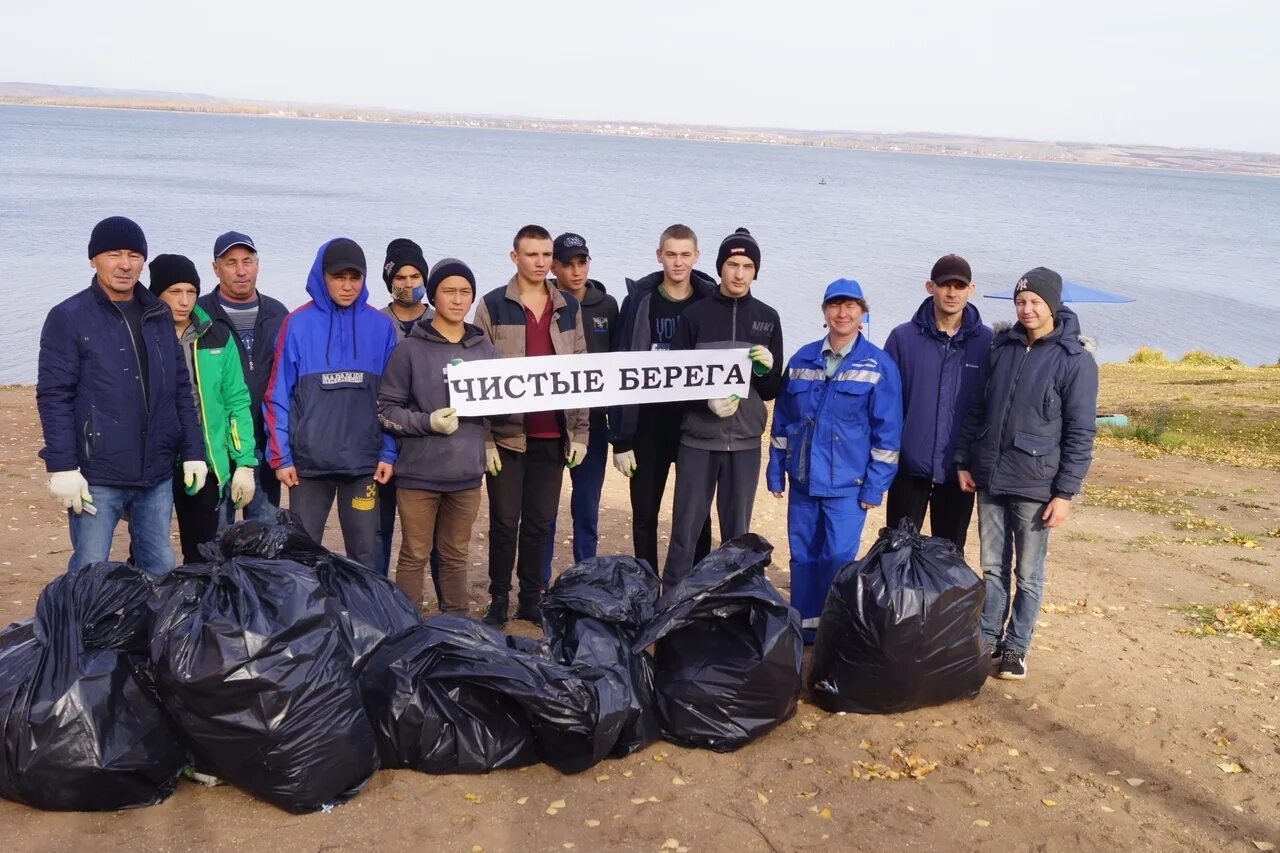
(1073, 292)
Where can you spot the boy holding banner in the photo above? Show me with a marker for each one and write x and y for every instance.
(720, 439)
(528, 317)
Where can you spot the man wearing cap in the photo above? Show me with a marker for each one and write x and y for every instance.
(255, 319)
(404, 271)
(1025, 448)
(571, 264)
(939, 353)
(324, 438)
(115, 405)
(528, 317)
(720, 439)
(442, 456)
(835, 436)
(222, 405)
(646, 438)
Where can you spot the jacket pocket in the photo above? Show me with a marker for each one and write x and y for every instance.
(1036, 456)
(88, 436)
(233, 433)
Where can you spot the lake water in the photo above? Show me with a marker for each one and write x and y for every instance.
(1200, 253)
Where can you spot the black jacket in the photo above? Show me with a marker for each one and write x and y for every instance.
(599, 324)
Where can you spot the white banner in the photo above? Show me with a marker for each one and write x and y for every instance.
(501, 386)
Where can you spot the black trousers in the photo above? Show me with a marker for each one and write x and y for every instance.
(523, 499)
(950, 509)
(731, 477)
(197, 515)
(657, 445)
(357, 499)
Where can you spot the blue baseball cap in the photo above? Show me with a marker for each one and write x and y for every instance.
(229, 241)
(842, 288)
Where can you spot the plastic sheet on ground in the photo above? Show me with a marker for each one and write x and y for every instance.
(592, 615)
(901, 628)
(370, 607)
(728, 650)
(79, 727)
(248, 661)
(453, 696)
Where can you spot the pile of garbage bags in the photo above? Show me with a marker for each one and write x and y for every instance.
(901, 628)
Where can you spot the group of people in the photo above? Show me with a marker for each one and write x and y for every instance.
(160, 398)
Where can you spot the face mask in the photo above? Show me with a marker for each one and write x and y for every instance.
(415, 295)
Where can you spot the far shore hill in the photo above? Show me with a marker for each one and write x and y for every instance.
(1085, 153)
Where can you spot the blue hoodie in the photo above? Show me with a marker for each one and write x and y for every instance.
(321, 403)
(941, 373)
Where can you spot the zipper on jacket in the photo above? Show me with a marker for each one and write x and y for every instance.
(204, 419)
(137, 359)
(1008, 409)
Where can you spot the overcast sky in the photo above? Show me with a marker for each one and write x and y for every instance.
(1173, 73)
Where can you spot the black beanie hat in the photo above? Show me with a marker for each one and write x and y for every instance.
(168, 270)
(403, 252)
(444, 268)
(740, 242)
(117, 232)
(1043, 282)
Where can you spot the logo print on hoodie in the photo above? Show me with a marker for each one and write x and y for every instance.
(342, 377)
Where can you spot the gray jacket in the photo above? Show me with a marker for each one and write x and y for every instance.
(413, 386)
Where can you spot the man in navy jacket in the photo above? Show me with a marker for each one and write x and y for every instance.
(939, 353)
(116, 407)
(1025, 448)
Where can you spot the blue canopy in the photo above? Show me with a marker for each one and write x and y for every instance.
(1072, 292)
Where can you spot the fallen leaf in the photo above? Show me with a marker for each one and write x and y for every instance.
(1013, 753)
(1134, 782)
(603, 777)
(558, 804)
(670, 844)
(761, 797)
(1263, 845)
(472, 798)
(865, 744)
(806, 795)
(637, 801)
(807, 761)
(825, 814)
(981, 822)
(592, 822)
(676, 780)
(553, 812)
(522, 801)
(568, 845)
(626, 774)
(1231, 767)
(397, 797)
(652, 800)
(476, 848)
(661, 756)
(1113, 772)
(1050, 803)
(1108, 809)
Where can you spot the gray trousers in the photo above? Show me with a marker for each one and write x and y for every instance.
(731, 476)
(357, 498)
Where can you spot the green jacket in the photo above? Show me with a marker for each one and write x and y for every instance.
(222, 398)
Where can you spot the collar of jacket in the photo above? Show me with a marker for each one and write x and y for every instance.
(471, 335)
(151, 303)
(556, 294)
(1066, 334)
(730, 300)
(970, 321)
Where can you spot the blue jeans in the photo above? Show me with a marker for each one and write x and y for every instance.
(1011, 532)
(584, 503)
(150, 511)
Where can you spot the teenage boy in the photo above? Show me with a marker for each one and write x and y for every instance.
(528, 317)
(646, 438)
(1025, 449)
(835, 433)
(115, 405)
(322, 407)
(256, 319)
(720, 439)
(571, 263)
(939, 353)
(442, 456)
(222, 405)
(405, 273)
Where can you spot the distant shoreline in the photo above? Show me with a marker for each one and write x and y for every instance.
(1200, 161)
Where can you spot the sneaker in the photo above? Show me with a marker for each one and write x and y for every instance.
(1013, 665)
(496, 615)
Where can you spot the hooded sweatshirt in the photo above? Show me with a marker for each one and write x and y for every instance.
(412, 388)
(321, 401)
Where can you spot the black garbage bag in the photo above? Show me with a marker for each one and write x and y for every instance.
(592, 615)
(249, 661)
(79, 727)
(901, 628)
(370, 608)
(728, 650)
(452, 696)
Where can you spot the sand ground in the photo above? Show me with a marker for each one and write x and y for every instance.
(1116, 740)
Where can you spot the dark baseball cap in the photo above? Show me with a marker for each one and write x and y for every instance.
(951, 268)
(343, 254)
(568, 246)
(230, 240)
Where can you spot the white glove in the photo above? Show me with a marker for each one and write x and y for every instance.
(625, 462)
(193, 476)
(71, 489)
(444, 421)
(724, 407)
(577, 453)
(242, 487)
(763, 359)
(492, 461)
